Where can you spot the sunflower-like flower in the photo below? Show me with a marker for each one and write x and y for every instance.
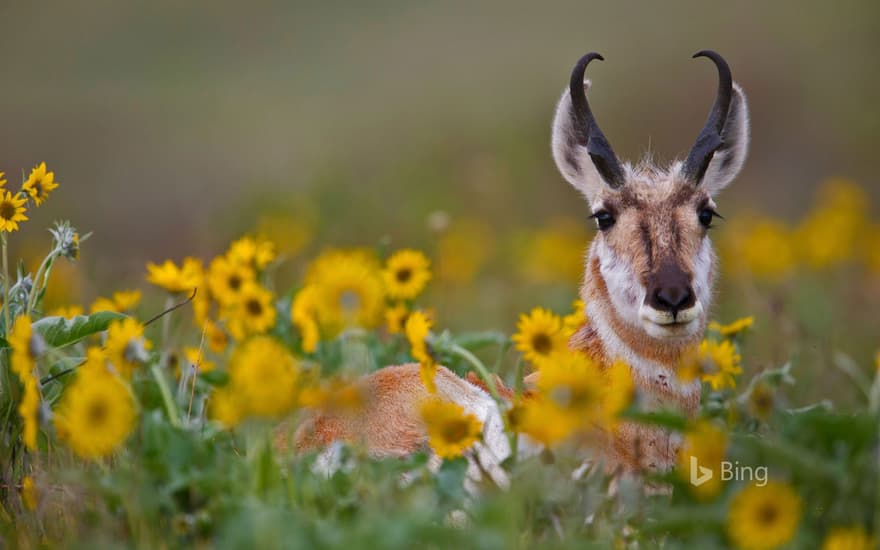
(27, 346)
(40, 183)
(263, 377)
(126, 346)
(451, 431)
(226, 279)
(733, 328)
(714, 362)
(569, 400)
(395, 318)
(406, 273)
(304, 315)
(252, 313)
(539, 335)
(68, 312)
(121, 302)
(849, 538)
(215, 336)
(418, 327)
(225, 407)
(763, 517)
(572, 322)
(253, 252)
(334, 396)
(12, 210)
(97, 410)
(176, 279)
(349, 290)
(196, 358)
(705, 446)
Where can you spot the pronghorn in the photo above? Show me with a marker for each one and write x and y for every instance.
(647, 285)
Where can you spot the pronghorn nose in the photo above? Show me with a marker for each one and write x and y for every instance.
(672, 298)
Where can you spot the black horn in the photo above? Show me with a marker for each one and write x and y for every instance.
(589, 134)
(710, 139)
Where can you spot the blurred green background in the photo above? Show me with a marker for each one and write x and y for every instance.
(174, 127)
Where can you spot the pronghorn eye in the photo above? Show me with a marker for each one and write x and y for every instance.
(706, 214)
(604, 219)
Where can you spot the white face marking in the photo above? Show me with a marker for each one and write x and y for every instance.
(624, 287)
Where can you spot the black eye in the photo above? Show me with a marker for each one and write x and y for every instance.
(706, 214)
(604, 219)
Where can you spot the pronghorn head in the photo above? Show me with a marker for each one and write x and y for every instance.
(652, 249)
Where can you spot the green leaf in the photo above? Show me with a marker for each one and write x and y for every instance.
(59, 332)
(663, 419)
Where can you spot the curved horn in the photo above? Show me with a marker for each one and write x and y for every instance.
(588, 132)
(710, 139)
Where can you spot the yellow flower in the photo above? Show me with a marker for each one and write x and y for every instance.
(226, 278)
(304, 314)
(216, 337)
(12, 210)
(705, 445)
(761, 401)
(251, 313)
(395, 318)
(263, 375)
(29, 410)
(555, 253)
(758, 247)
(463, 250)
(290, 234)
(67, 312)
(29, 493)
(406, 274)
(763, 518)
(334, 396)
(196, 358)
(97, 410)
(714, 362)
(40, 184)
(27, 346)
(572, 322)
(225, 407)
(2, 180)
(249, 251)
(126, 346)
(417, 328)
(451, 431)
(176, 279)
(349, 290)
(539, 335)
(829, 235)
(568, 401)
(849, 538)
(733, 328)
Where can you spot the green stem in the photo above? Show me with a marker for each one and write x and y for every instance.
(35, 291)
(167, 399)
(480, 368)
(5, 283)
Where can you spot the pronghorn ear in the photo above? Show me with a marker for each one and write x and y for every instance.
(729, 158)
(572, 158)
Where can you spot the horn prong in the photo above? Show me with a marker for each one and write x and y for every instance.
(710, 138)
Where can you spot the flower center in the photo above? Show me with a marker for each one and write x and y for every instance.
(254, 307)
(404, 275)
(97, 413)
(350, 300)
(7, 210)
(542, 343)
(455, 430)
(767, 514)
(38, 188)
(234, 282)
